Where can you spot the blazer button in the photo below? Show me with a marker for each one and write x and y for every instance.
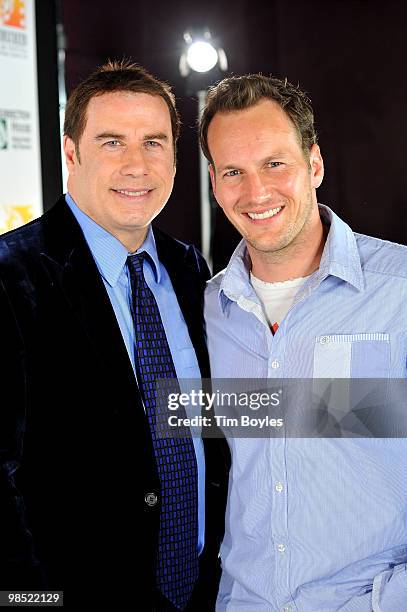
(151, 499)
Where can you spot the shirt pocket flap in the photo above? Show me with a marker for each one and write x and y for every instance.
(365, 355)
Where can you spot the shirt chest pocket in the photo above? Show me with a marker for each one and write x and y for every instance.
(352, 356)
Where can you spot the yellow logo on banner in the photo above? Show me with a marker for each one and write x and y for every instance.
(12, 13)
(15, 215)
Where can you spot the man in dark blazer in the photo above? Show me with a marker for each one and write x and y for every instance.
(79, 486)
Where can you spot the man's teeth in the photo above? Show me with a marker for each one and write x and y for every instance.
(265, 215)
(132, 193)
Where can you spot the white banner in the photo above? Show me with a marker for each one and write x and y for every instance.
(20, 155)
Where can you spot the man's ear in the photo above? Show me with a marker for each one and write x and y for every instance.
(70, 154)
(213, 177)
(317, 166)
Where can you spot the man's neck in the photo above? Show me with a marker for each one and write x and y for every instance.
(300, 258)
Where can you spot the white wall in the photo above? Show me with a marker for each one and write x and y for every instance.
(20, 157)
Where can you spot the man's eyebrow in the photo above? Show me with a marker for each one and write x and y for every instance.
(111, 135)
(115, 136)
(274, 156)
(157, 136)
(228, 167)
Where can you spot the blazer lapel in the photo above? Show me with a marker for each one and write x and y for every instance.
(188, 283)
(72, 269)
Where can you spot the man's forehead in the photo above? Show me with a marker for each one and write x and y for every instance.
(264, 113)
(124, 95)
(120, 105)
(253, 126)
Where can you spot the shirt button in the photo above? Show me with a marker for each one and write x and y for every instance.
(287, 609)
(151, 499)
(279, 487)
(324, 339)
(281, 548)
(275, 364)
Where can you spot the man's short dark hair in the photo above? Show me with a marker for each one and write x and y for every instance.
(115, 76)
(241, 92)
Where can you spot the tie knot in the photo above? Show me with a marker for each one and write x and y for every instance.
(135, 263)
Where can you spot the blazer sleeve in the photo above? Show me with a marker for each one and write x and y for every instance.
(18, 565)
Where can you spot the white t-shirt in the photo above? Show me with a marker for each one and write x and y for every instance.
(277, 298)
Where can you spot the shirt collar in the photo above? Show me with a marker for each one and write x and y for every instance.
(340, 258)
(109, 253)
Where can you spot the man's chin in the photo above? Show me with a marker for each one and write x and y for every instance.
(267, 245)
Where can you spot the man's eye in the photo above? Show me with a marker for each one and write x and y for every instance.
(113, 143)
(274, 164)
(232, 173)
(152, 143)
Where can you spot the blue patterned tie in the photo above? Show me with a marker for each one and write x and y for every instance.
(177, 563)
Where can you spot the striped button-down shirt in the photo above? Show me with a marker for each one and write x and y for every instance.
(316, 525)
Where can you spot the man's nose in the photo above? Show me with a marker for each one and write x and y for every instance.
(258, 189)
(134, 162)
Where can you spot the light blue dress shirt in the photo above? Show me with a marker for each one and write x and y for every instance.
(110, 256)
(316, 525)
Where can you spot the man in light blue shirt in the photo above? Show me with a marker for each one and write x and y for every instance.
(312, 525)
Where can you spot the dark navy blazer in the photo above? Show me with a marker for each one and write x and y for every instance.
(76, 458)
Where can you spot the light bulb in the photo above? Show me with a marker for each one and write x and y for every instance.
(202, 56)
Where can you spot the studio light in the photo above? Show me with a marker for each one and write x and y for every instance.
(202, 56)
(202, 63)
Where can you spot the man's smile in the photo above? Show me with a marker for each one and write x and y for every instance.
(131, 193)
(266, 214)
